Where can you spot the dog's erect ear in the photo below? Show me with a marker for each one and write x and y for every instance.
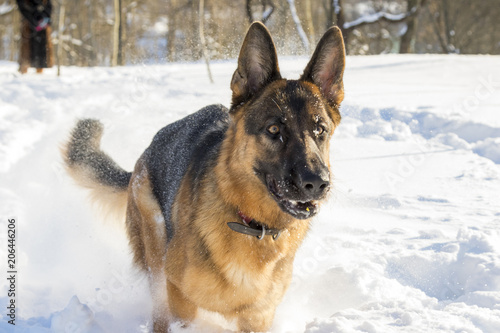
(326, 67)
(257, 64)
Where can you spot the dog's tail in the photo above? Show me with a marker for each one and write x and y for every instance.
(93, 169)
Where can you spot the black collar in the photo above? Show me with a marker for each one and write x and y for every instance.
(253, 228)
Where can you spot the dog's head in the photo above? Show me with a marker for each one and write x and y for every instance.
(282, 128)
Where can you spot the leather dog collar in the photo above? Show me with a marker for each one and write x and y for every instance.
(253, 228)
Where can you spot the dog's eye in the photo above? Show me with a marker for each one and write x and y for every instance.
(273, 129)
(319, 130)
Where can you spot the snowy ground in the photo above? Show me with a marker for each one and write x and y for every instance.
(408, 242)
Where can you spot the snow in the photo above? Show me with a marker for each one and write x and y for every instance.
(5, 8)
(336, 5)
(408, 242)
(267, 13)
(370, 18)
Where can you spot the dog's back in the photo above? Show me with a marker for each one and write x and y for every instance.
(192, 141)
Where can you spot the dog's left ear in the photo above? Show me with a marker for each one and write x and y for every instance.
(257, 64)
(326, 67)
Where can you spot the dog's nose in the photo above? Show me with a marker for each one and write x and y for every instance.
(312, 183)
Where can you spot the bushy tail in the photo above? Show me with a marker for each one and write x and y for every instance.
(93, 169)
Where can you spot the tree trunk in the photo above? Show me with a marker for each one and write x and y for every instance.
(117, 31)
(121, 58)
(409, 35)
(201, 14)
(248, 9)
(60, 26)
(16, 22)
(436, 24)
(172, 26)
(329, 11)
(448, 28)
(310, 24)
(91, 54)
(338, 10)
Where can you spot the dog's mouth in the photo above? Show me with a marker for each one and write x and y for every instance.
(297, 208)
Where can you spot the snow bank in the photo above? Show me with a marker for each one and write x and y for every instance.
(408, 241)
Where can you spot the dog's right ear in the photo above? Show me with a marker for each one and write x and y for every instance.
(257, 64)
(326, 67)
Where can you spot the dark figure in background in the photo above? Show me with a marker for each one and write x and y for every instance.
(36, 46)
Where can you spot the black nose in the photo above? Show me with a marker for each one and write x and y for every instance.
(312, 183)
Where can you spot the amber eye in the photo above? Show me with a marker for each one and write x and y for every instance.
(273, 129)
(319, 130)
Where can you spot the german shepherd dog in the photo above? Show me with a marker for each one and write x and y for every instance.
(218, 204)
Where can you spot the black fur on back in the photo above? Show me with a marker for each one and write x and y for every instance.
(187, 145)
(83, 152)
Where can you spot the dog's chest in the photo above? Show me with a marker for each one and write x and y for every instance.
(238, 282)
(246, 278)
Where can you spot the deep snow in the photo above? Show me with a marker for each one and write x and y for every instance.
(408, 242)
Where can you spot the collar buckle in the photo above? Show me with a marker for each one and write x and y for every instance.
(263, 233)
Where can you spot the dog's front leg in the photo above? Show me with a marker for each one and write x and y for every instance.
(160, 325)
(256, 319)
(160, 308)
(180, 307)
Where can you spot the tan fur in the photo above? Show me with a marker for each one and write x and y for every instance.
(145, 223)
(244, 278)
(146, 232)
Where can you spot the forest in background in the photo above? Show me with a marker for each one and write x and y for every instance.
(118, 32)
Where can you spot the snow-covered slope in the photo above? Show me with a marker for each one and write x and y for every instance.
(408, 242)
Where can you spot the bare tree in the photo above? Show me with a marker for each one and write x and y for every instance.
(411, 24)
(201, 10)
(172, 11)
(310, 24)
(298, 25)
(267, 8)
(9, 29)
(117, 35)
(60, 27)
